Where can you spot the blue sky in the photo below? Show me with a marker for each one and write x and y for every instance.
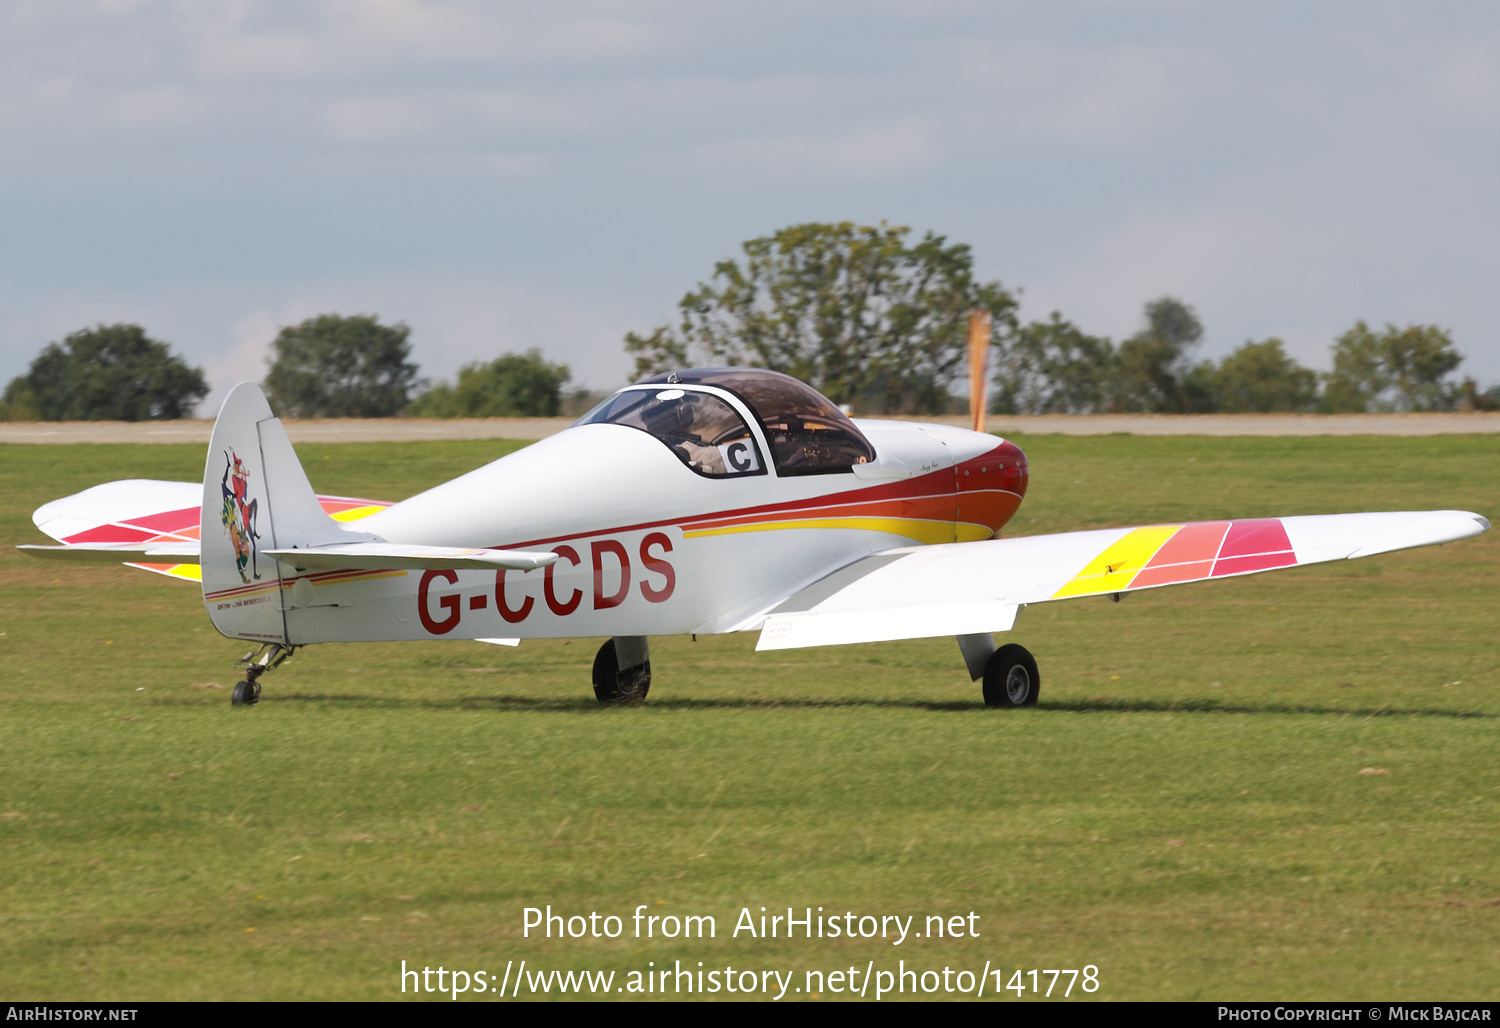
(502, 176)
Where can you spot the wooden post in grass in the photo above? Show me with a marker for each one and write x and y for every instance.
(979, 354)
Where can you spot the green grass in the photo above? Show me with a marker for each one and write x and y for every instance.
(1185, 808)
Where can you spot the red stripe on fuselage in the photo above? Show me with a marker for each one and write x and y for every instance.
(929, 486)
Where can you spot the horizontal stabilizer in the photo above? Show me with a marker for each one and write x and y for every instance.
(115, 553)
(147, 524)
(416, 558)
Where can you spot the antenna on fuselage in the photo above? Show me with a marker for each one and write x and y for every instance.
(979, 359)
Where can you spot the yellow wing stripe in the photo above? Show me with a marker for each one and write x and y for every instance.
(186, 572)
(355, 513)
(1114, 569)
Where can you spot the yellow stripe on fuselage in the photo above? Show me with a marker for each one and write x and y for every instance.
(968, 532)
(912, 528)
(1113, 570)
(924, 531)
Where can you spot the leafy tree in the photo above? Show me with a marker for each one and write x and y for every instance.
(1418, 358)
(17, 402)
(1154, 373)
(514, 385)
(1261, 377)
(106, 373)
(1358, 376)
(856, 311)
(1395, 370)
(1470, 398)
(577, 402)
(663, 349)
(336, 367)
(1052, 367)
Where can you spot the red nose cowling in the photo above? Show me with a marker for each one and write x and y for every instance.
(990, 488)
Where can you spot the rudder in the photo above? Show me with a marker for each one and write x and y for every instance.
(256, 497)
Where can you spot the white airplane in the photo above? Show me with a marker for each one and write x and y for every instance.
(702, 501)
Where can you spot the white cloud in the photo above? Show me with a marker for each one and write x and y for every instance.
(376, 120)
(1233, 267)
(342, 39)
(453, 320)
(552, 173)
(880, 152)
(1464, 83)
(244, 360)
(153, 109)
(1102, 95)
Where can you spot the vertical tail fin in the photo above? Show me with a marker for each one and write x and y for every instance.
(256, 497)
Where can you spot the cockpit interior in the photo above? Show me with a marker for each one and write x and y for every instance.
(807, 434)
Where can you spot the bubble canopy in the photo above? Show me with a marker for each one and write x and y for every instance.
(807, 434)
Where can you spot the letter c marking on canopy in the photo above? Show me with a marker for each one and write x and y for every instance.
(738, 454)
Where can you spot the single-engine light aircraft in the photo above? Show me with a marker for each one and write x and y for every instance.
(701, 501)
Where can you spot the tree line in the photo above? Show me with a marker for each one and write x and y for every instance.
(1052, 367)
(876, 319)
(329, 366)
(872, 316)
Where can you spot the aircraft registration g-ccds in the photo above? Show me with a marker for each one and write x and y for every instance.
(702, 501)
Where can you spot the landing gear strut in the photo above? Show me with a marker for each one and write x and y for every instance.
(1011, 678)
(257, 663)
(622, 670)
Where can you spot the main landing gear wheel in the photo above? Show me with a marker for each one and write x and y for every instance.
(1011, 678)
(611, 685)
(245, 694)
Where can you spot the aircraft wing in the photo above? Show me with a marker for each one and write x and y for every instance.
(147, 524)
(974, 587)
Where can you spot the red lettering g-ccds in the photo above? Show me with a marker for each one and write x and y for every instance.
(448, 603)
(613, 548)
(558, 607)
(513, 616)
(658, 566)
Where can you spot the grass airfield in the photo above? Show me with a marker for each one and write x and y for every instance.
(1281, 787)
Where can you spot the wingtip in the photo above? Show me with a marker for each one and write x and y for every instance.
(1484, 522)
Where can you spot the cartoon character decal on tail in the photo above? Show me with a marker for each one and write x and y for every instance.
(239, 516)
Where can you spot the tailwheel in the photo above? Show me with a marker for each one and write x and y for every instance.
(612, 684)
(257, 663)
(1011, 678)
